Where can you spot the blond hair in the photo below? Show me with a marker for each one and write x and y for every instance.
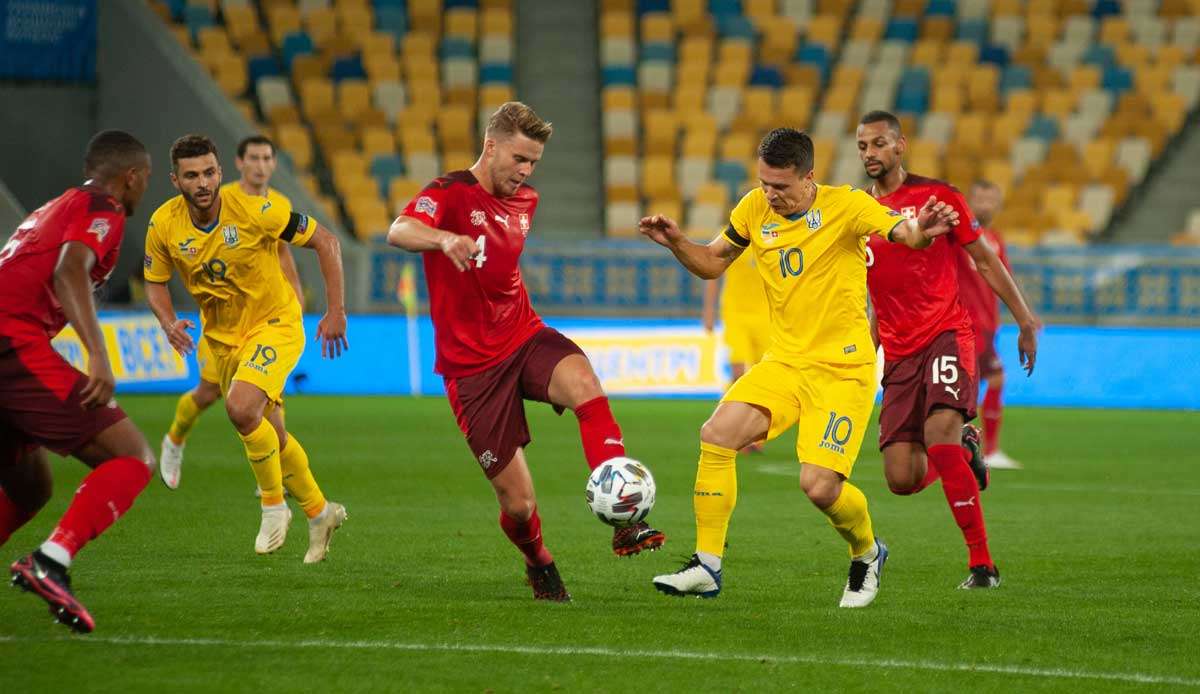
(515, 117)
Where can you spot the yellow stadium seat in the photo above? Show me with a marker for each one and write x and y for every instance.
(456, 128)
(908, 8)
(688, 98)
(493, 95)
(419, 45)
(1174, 55)
(928, 52)
(618, 99)
(759, 106)
(712, 193)
(401, 191)
(426, 93)
(377, 140)
(695, 49)
(425, 15)
(281, 21)
(462, 22)
(1084, 77)
(737, 147)
(316, 96)
(457, 160)
(947, 99)
(659, 131)
(656, 27)
(796, 106)
(612, 25)
(230, 73)
(282, 114)
(295, 140)
(866, 29)
(416, 140)
(1007, 128)
(937, 28)
(1005, 8)
(825, 29)
(841, 99)
(668, 207)
(381, 68)
(1041, 32)
(1058, 196)
(1058, 102)
(970, 132)
(699, 144)
(617, 5)
(1114, 30)
(998, 172)
(353, 97)
(213, 39)
(1021, 101)
(731, 74)
(658, 177)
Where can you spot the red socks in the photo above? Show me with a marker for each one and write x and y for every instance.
(600, 433)
(993, 410)
(962, 494)
(527, 536)
(103, 497)
(12, 517)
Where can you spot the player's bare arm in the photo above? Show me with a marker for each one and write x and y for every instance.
(1001, 281)
(935, 219)
(708, 314)
(331, 330)
(415, 236)
(176, 329)
(73, 288)
(287, 263)
(706, 261)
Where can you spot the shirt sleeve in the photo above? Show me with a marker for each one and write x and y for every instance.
(278, 220)
(874, 217)
(98, 229)
(738, 231)
(430, 205)
(967, 229)
(157, 263)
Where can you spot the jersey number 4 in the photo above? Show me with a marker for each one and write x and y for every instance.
(480, 256)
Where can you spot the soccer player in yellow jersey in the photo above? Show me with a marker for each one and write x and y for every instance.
(256, 164)
(809, 243)
(745, 317)
(223, 245)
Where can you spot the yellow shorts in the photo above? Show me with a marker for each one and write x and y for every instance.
(208, 366)
(265, 358)
(747, 340)
(831, 402)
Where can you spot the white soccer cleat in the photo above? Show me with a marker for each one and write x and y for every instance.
(1000, 461)
(170, 461)
(320, 531)
(273, 531)
(693, 579)
(863, 584)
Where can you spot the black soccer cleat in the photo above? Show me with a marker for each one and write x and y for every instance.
(973, 442)
(41, 575)
(981, 577)
(546, 583)
(636, 538)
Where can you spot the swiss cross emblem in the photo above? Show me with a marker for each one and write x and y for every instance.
(909, 212)
(523, 220)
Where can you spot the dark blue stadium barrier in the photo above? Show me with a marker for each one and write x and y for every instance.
(48, 40)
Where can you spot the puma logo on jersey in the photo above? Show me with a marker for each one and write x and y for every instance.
(502, 219)
(953, 391)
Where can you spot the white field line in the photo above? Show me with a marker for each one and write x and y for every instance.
(640, 655)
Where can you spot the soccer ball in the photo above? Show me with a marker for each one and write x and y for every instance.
(620, 492)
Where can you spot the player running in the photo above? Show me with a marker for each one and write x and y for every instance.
(809, 244)
(48, 270)
(493, 350)
(980, 301)
(223, 244)
(929, 389)
(256, 164)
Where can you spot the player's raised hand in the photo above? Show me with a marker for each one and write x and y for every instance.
(177, 335)
(460, 250)
(660, 229)
(101, 382)
(936, 218)
(331, 332)
(1027, 346)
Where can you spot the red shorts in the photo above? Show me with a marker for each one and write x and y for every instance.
(988, 362)
(488, 405)
(40, 401)
(914, 386)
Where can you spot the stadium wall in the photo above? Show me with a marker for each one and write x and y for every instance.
(1101, 367)
(44, 130)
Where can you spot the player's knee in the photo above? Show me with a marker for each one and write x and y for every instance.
(996, 381)
(944, 426)
(244, 416)
(205, 394)
(821, 489)
(712, 432)
(518, 508)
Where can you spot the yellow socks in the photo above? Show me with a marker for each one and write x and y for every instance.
(715, 496)
(186, 414)
(848, 515)
(298, 478)
(262, 450)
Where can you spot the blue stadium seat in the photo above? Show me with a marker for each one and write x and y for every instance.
(901, 29)
(1117, 79)
(995, 54)
(912, 92)
(197, 17)
(1016, 77)
(347, 68)
(657, 50)
(619, 76)
(456, 47)
(1043, 127)
(1105, 8)
(496, 73)
(732, 174)
(389, 4)
(721, 8)
(294, 44)
(262, 66)
(385, 167)
(1100, 55)
(392, 20)
(451, 4)
(177, 7)
(814, 54)
(941, 8)
(736, 26)
(766, 76)
(972, 30)
(648, 6)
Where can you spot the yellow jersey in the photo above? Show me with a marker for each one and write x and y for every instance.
(230, 268)
(813, 266)
(742, 295)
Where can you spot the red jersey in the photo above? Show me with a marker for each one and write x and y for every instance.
(86, 214)
(974, 293)
(481, 315)
(915, 293)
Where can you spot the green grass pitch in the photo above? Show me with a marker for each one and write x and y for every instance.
(1096, 539)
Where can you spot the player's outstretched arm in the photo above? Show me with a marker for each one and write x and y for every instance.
(331, 330)
(415, 236)
(706, 261)
(159, 298)
(287, 263)
(708, 314)
(73, 288)
(1001, 281)
(935, 219)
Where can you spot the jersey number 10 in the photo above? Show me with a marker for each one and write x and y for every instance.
(791, 262)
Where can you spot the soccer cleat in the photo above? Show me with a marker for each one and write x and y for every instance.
(981, 577)
(863, 584)
(972, 441)
(320, 531)
(39, 574)
(999, 460)
(273, 530)
(170, 462)
(635, 538)
(693, 579)
(546, 583)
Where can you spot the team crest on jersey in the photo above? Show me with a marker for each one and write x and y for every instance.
(768, 231)
(813, 217)
(426, 205)
(523, 222)
(478, 217)
(230, 232)
(908, 212)
(99, 227)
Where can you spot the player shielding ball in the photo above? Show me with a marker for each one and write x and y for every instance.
(929, 386)
(48, 271)
(493, 350)
(256, 164)
(223, 245)
(809, 243)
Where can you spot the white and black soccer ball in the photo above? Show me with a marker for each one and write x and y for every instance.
(620, 492)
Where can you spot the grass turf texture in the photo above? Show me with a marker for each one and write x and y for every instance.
(1096, 541)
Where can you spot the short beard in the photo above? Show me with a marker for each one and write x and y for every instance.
(883, 171)
(191, 200)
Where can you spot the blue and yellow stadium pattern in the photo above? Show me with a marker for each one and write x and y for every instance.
(137, 348)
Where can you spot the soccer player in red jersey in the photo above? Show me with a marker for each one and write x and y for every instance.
(493, 350)
(929, 388)
(980, 301)
(48, 271)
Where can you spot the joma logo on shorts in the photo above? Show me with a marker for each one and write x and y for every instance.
(833, 447)
(256, 367)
